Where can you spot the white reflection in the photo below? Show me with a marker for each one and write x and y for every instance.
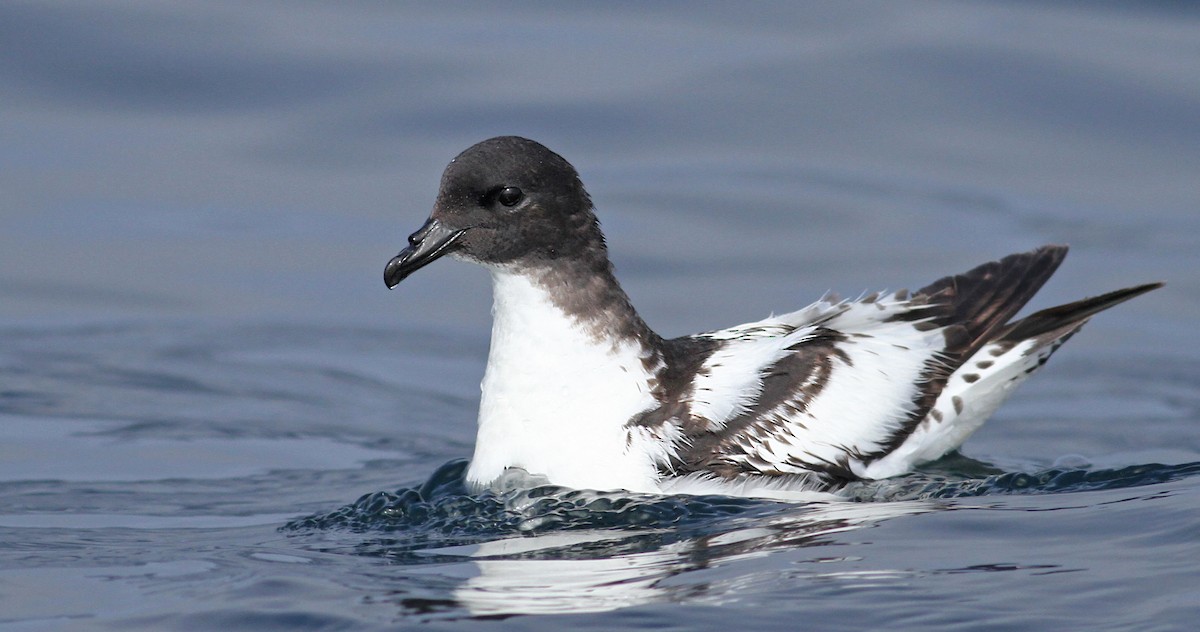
(577, 572)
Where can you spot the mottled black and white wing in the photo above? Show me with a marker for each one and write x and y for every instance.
(840, 385)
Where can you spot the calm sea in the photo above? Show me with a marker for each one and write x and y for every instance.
(214, 416)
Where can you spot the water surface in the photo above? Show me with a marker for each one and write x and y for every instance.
(212, 414)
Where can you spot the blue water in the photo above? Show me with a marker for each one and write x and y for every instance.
(213, 415)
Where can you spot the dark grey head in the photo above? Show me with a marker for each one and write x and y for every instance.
(505, 201)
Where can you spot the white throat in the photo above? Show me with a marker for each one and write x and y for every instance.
(555, 399)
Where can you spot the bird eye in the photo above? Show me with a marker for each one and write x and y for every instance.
(509, 196)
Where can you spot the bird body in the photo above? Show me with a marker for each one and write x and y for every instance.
(580, 391)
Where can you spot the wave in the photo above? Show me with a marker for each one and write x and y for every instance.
(442, 509)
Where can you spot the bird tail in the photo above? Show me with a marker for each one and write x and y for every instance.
(1056, 322)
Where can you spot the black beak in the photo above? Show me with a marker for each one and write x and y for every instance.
(430, 242)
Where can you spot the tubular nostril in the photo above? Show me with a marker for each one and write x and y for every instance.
(422, 232)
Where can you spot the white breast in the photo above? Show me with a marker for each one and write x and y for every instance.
(556, 399)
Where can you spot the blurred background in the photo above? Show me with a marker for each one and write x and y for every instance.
(198, 198)
(262, 161)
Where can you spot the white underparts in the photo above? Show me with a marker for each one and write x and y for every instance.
(556, 400)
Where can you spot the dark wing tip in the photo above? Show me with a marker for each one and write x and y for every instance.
(1072, 314)
(981, 300)
(1035, 266)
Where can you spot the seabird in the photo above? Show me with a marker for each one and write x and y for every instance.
(580, 391)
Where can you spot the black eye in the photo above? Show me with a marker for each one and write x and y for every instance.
(509, 196)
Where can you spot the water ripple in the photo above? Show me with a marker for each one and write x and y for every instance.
(441, 511)
(442, 505)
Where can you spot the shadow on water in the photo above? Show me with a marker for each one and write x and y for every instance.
(547, 549)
